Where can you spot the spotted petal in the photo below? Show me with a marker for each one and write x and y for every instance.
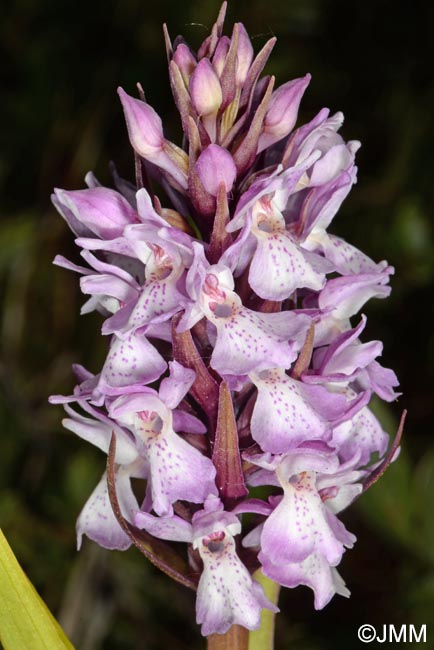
(347, 295)
(300, 526)
(364, 434)
(346, 258)
(177, 470)
(288, 412)
(157, 302)
(227, 595)
(314, 572)
(132, 362)
(97, 520)
(292, 267)
(252, 341)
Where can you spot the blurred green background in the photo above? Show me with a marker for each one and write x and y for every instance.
(61, 64)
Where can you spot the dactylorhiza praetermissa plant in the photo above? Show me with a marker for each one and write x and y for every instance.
(235, 356)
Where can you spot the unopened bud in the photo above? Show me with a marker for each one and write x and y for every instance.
(144, 126)
(214, 166)
(185, 61)
(219, 58)
(205, 89)
(102, 211)
(282, 112)
(244, 55)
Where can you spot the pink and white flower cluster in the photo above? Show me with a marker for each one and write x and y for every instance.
(233, 319)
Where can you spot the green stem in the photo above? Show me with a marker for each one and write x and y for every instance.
(263, 639)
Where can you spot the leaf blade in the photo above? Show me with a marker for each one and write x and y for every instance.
(25, 620)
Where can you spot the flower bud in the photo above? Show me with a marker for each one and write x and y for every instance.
(214, 166)
(205, 89)
(282, 112)
(244, 55)
(219, 58)
(102, 211)
(144, 126)
(185, 61)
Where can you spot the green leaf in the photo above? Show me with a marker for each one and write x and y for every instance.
(25, 620)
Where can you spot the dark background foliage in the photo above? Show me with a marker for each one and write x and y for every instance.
(61, 117)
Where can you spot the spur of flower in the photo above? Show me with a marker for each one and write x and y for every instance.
(235, 351)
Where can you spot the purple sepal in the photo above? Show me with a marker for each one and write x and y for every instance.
(170, 528)
(381, 380)
(347, 259)
(362, 434)
(321, 205)
(157, 301)
(346, 296)
(340, 157)
(253, 505)
(99, 432)
(118, 245)
(174, 388)
(109, 288)
(97, 520)
(86, 390)
(345, 355)
(187, 423)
